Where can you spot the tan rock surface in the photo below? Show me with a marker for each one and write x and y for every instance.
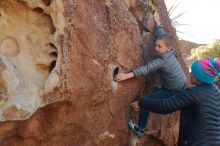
(26, 40)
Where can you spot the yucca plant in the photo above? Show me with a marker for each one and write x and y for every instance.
(175, 18)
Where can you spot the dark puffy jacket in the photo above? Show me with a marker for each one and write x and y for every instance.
(171, 74)
(203, 104)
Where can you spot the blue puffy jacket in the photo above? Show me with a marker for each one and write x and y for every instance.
(202, 102)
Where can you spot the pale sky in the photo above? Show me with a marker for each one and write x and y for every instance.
(202, 17)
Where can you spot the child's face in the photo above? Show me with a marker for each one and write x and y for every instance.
(161, 47)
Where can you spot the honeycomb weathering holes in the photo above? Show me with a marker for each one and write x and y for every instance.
(116, 71)
(38, 10)
(46, 2)
(41, 11)
(52, 65)
(53, 54)
(9, 46)
(27, 58)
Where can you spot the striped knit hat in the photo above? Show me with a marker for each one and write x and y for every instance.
(206, 70)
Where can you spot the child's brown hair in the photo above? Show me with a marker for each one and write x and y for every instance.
(168, 39)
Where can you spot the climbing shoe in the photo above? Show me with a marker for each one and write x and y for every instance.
(136, 130)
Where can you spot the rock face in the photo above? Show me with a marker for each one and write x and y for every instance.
(185, 48)
(58, 58)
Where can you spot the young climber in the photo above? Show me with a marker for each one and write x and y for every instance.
(171, 74)
(202, 102)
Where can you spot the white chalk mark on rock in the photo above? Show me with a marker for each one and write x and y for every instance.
(111, 72)
(106, 134)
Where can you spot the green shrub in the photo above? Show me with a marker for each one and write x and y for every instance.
(211, 50)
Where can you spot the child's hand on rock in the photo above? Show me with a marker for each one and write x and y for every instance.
(157, 18)
(123, 76)
(135, 106)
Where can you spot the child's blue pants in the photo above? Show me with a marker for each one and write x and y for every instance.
(144, 113)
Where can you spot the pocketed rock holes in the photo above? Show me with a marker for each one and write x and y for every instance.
(30, 56)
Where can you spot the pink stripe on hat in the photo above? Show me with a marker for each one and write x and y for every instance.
(207, 67)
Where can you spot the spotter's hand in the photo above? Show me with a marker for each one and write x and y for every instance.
(135, 106)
